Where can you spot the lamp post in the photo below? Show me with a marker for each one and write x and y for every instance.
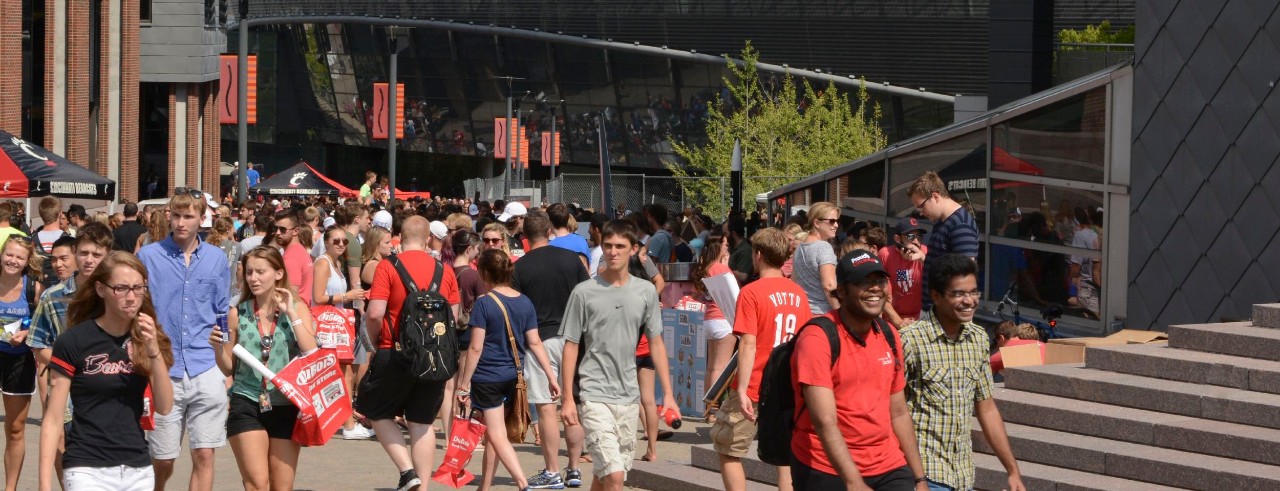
(606, 194)
(555, 147)
(399, 37)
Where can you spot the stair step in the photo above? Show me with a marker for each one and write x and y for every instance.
(1073, 381)
(1222, 439)
(706, 457)
(1267, 315)
(667, 475)
(1133, 461)
(1040, 477)
(1183, 365)
(1229, 338)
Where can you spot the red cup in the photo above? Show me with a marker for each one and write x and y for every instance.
(670, 416)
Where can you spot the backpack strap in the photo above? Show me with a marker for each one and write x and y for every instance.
(511, 336)
(833, 335)
(409, 285)
(436, 276)
(29, 286)
(887, 331)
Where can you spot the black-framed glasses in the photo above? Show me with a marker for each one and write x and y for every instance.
(195, 193)
(831, 221)
(912, 236)
(122, 290)
(339, 241)
(22, 239)
(280, 230)
(959, 294)
(493, 241)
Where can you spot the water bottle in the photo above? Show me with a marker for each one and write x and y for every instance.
(222, 327)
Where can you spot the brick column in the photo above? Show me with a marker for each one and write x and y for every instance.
(77, 128)
(212, 141)
(129, 102)
(50, 19)
(11, 49)
(193, 132)
(173, 139)
(103, 121)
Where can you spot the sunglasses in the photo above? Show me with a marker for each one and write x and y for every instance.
(832, 221)
(493, 241)
(195, 193)
(339, 241)
(281, 230)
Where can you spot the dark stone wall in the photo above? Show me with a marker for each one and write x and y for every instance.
(1205, 190)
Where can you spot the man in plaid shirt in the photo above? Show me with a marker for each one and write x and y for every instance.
(949, 380)
(92, 244)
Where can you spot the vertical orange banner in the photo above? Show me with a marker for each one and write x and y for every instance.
(550, 148)
(228, 88)
(500, 135)
(524, 151)
(381, 97)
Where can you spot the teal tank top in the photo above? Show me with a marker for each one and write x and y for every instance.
(245, 381)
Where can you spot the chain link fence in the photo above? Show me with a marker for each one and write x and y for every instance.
(630, 191)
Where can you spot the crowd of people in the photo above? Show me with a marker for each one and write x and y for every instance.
(572, 319)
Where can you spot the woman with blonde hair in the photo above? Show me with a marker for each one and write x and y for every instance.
(20, 273)
(271, 321)
(104, 364)
(494, 236)
(796, 235)
(157, 228)
(814, 262)
(222, 237)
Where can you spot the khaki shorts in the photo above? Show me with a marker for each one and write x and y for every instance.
(539, 390)
(732, 433)
(611, 435)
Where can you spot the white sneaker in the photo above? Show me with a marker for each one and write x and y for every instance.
(357, 433)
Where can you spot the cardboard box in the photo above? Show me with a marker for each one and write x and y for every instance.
(1088, 341)
(1134, 336)
(1028, 355)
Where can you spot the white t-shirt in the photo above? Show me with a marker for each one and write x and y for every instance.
(1085, 238)
(593, 266)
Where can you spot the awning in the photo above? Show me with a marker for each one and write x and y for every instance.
(27, 170)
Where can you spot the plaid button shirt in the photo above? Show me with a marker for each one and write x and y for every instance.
(945, 378)
(50, 317)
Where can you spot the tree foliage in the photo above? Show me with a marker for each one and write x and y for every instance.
(786, 129)
(1100, 34)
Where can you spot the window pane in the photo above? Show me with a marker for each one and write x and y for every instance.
(961, 162)
(864, 189)
(1066, 140)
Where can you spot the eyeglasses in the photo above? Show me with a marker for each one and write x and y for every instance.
(122, 290)
(959, 294)
(21, 239)
(339, 241)
(835, 222)
(195, 193)
(281, 230)
(493, 241)
(872, 282)
(920, 207)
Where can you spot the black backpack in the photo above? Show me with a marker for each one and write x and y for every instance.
(428, 343)
(48, 277)
(776, 416)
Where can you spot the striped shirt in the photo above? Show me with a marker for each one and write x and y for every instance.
(958, 234)
(945, 378)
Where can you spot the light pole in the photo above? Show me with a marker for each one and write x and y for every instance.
(555, 147)
(399, 37)
(506, 173)
(242, 104)
(606, 194)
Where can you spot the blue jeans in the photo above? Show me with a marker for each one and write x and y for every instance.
(937, 486)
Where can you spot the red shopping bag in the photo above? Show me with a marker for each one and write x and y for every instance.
(335, 329)
(314, 384)
(464, 435)
(148, 419)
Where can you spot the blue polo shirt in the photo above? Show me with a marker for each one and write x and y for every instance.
(188, 298)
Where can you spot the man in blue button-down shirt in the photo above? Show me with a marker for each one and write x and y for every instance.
(190, 285)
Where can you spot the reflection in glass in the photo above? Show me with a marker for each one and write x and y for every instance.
(864, 189)
(1066, 140)
(961, 162)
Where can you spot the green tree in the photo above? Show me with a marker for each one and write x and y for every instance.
(1100, 34)
(788, 130)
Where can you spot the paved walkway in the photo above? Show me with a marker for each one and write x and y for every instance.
(362, 465)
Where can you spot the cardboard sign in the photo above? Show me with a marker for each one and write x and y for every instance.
(315, 385)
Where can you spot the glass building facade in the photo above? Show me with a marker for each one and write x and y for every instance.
(316, 90)
(1035, 174)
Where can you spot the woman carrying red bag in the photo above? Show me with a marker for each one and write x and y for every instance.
(272, 321)
(104, 364)
(330, 288)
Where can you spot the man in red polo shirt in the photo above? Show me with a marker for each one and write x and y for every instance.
(857, 433)
(387, 389)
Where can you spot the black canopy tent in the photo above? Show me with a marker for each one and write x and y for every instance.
(299, 180)
(28, 171)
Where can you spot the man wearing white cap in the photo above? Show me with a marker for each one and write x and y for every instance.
(513, 216)
(435, 241)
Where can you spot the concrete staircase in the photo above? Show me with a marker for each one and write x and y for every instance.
(1200, 412)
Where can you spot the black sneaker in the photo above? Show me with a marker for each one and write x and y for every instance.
(573, 477)
(409, 481)
(546, 480)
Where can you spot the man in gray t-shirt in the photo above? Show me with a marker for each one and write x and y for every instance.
(604, 320)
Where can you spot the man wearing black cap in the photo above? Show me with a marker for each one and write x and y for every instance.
(859, 433)
(904, 261)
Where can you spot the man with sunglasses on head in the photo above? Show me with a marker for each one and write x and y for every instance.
(954, 232)
(297, 260)
(904, 261)
(190, 283)
(948, 373)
